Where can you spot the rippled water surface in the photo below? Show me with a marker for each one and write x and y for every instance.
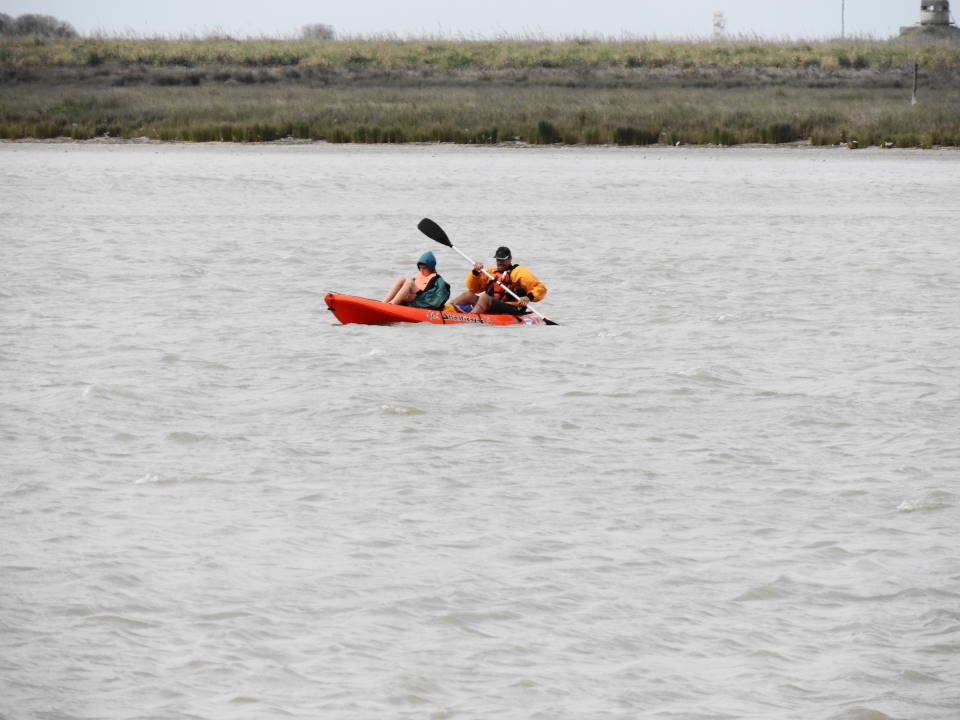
(727, 485)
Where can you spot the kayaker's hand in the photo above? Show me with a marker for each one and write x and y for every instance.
(524, 301)
(477, 268)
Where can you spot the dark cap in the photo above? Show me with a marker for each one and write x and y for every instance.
(502, 253)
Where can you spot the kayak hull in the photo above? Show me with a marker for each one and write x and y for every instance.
(349, 309)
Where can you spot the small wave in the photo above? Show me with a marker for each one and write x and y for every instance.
(225, 615)
(401, 410)
(780, 588)
(915, 676)
(111, 619)
(192, 272)
(182, 436)
(932, 502)
(109, 392)
(206, 364)
(122, 579)
(151, 479)
(859, 713)
(917, 593)
(712, 377)
(155, 479)
(911, 506)
(26, 488)
(770, 656)
(813, 422)
(468, 620)
(762, 592)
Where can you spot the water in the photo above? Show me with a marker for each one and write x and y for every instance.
(725, 486)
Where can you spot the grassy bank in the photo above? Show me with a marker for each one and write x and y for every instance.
(480, 92)
(458, 55)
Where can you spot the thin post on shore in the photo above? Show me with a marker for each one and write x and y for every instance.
(916, 72)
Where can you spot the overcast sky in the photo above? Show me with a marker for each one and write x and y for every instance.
(548, 19)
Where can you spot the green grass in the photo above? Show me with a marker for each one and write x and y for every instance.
(483, 55)
(573, 92)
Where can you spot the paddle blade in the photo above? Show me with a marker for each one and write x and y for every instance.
(433, 231)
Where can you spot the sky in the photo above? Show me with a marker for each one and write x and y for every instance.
(540, 19)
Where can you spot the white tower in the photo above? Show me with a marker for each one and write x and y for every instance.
(719, 24)
(934, 12)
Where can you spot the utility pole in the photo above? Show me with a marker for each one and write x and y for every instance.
(843, 19)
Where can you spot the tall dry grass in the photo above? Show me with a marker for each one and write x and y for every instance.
(393, 54)
(479, 92)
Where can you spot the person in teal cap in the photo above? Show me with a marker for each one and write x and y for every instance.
(426, 289)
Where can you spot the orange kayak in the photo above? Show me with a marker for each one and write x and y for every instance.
(350, 309)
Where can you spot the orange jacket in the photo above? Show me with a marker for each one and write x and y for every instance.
(517, 278)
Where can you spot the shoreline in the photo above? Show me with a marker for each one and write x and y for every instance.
(503, 145)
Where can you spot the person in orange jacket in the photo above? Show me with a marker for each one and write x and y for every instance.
(488, 296)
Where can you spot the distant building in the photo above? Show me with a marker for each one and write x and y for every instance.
(935, 12)
(936, 23)
(719, 25)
